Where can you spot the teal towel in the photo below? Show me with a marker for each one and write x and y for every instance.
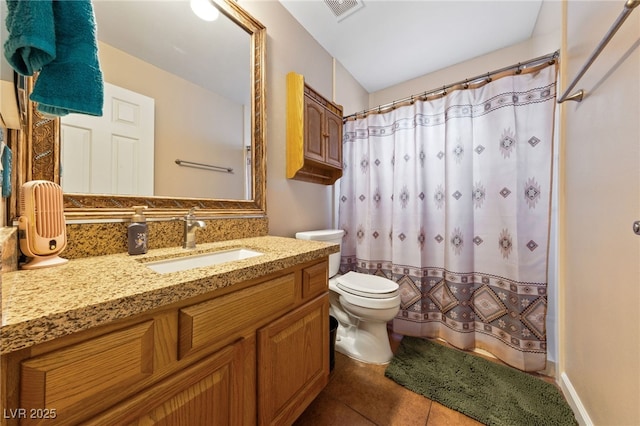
(32, 40)
(72, 81)
(5, 167)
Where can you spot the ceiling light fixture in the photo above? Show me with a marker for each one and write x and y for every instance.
(204, 9)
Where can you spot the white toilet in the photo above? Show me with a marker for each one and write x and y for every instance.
(362, 304)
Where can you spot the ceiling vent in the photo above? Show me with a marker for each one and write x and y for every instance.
(344, 8)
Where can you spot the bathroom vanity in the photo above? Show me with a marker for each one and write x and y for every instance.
(107, 340)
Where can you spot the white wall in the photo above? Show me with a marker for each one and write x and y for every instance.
(293, 205)
(600, 255)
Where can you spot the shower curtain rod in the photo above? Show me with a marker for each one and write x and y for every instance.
(464, 84)
(628, 8)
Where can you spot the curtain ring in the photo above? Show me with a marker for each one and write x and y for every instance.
(519, 70)
(411, 100)
(444, 90)
(488, 78)
(466, 83)
(379, 106)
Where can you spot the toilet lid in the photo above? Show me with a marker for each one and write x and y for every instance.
(367, 285)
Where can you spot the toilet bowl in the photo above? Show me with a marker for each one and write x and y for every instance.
(363, 305)
(363, 315)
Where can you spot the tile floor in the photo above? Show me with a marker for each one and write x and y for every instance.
(359, 394)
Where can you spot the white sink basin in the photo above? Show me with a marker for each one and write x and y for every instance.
(201, 260)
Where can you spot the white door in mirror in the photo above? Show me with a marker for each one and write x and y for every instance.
(112, 154)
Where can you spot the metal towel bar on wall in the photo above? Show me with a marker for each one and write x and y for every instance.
(203, 166)
(577, 96)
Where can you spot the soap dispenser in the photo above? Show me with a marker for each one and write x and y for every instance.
(137, 233)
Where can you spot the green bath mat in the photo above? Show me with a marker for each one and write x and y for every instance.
(491, 393)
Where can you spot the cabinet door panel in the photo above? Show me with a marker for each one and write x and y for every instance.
(207, 393)
(314, 130)
(293, 362)
(76, 380)
(334, 139)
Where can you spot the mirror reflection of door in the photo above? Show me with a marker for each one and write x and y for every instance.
(200, 75)
(112, 154)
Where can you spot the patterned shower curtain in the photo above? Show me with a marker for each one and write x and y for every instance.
(450, 198)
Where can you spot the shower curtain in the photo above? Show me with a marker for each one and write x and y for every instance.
(450, 198)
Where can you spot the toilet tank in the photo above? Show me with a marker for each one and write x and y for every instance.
(333, 236)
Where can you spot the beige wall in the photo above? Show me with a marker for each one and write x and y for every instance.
(293, 205)
(600, 255)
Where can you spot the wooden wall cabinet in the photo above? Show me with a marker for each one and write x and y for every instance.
(314, 134)
(253, 353)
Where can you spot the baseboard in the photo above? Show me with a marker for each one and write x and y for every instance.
(550, 369)
(574, 401)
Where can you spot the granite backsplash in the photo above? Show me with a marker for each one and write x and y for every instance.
(97, 239)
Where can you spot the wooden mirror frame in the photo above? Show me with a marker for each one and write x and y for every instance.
(38, 153)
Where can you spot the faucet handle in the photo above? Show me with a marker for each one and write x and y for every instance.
(191, 213)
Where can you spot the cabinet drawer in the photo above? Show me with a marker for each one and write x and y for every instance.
(315, 279)
(227, 316)
(209, 392)
(74, 381)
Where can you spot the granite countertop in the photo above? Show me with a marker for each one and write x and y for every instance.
(43, 304)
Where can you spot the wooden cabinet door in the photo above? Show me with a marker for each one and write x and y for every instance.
(314, 130)
(333, 148)
(83, 379)
(293, 362)
(209, 392)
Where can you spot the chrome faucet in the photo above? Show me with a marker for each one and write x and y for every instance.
(190, 226)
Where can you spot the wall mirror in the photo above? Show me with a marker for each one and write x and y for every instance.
(207, 82)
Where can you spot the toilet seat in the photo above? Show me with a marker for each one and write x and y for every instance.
(369, 286)
(387, 296)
